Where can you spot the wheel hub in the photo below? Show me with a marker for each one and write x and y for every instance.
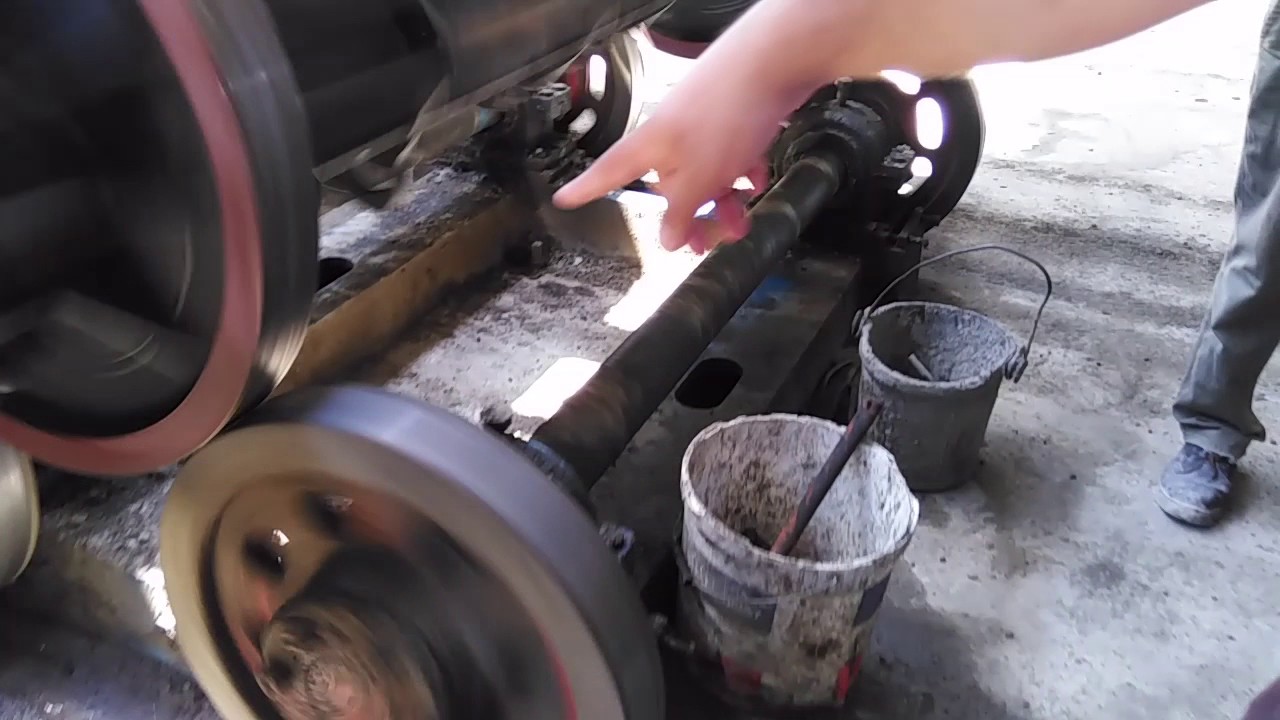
(353, 554)
(339, 650)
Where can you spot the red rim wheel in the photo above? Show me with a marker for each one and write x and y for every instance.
(181, 326)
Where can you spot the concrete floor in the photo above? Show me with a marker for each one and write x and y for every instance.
(1052, 588)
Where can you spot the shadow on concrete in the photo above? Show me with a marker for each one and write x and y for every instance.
(922, 663)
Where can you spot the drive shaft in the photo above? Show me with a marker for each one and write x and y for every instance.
(594, 426)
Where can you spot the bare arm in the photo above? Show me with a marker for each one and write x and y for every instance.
(812, 42)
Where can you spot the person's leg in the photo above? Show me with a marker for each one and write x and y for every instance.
(1242, 328)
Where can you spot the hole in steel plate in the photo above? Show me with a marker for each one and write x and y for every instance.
(709, 383)
(331, 269)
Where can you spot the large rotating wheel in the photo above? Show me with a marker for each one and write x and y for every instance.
(158, 222)
(606, 91)
(355, 554)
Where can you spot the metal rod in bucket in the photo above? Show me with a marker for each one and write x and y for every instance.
(826, 477)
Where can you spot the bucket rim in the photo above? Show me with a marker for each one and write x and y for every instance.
(693, 502)
(872, 361)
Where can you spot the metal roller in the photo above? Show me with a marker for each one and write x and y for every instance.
(326, 562)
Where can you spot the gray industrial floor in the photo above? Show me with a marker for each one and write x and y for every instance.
(1052, 588)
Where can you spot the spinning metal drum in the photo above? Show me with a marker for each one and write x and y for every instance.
(356, 554)
(159, 239)
(161, 144)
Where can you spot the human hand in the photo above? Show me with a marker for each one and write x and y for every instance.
(712, 129)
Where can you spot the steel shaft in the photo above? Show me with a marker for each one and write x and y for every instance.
(594, 426)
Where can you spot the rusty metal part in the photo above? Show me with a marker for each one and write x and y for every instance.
(594, 426)
(787, 335)
(351, 551)
(19, 513)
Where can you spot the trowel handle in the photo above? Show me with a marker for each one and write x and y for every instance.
(1018, 363)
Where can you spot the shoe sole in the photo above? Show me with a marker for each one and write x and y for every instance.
(1186, 513)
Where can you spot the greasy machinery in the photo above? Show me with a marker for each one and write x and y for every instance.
(346, 552)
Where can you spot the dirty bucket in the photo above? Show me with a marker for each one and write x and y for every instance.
(787, 631)
(938, 370)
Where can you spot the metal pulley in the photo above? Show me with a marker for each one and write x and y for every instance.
(324, 561)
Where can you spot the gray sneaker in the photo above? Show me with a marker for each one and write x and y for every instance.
(1195, 486)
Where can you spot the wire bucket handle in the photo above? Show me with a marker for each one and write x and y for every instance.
(1017, 363)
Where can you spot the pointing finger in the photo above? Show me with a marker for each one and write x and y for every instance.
(623, 163)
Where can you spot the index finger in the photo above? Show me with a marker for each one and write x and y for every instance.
(626, 161)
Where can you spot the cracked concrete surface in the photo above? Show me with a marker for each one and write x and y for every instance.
(1051, 588)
